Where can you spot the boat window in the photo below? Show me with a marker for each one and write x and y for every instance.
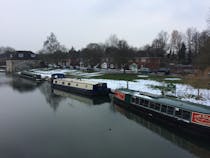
(163, 108)
(146, 102)
(56, 81)
(76, 84)
(178, 113)
(170, 110)
(133, 100)
(137, 101)
(186, 115)
(141, 102)
(62, 82)
(152, 105)
(69, 84)
(157, 107)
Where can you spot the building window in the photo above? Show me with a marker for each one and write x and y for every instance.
(33, 55)
(20, 55)
(143, 60)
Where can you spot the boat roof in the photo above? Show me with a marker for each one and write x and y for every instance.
(186, 105)
(79, 81)
(28, 73)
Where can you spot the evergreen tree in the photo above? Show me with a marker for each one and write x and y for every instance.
(182, 54)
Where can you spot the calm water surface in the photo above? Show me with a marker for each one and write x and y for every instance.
(36, 123)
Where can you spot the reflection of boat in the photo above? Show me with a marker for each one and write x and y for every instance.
(23, 85)
(189, 116)
(198, 146)
(89, 101)
(79, 86)
(30, 76)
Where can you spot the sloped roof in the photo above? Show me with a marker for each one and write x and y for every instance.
(18, 55)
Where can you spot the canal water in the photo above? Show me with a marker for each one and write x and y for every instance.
(38, 123)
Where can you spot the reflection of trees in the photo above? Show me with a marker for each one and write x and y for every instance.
(23, 85)
(198, 146)
(52, 99)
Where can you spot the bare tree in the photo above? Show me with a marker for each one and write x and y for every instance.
(176, 41)
(208, 22)
(163, 38)
(112, 41)
(52, 45)
(6, 49)
(195, 42)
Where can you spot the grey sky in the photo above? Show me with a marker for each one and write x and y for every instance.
(25, 24)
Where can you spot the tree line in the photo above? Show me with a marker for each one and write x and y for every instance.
(191, 47)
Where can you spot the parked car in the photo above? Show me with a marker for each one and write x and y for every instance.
(144, 70)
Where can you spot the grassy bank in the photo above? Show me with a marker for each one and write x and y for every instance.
(132, 77)
(126, 77)
(195, 82)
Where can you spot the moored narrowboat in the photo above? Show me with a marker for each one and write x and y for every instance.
(30, 76)
(79, 86)
(193, 117)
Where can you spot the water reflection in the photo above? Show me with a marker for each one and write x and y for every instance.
(23, 85)
(52, 99)
(201, 148)
(17, 83)
(82, 99)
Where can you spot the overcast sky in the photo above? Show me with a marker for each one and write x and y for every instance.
(25, 24)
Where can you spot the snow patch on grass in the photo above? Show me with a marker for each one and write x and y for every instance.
(172, 79)
(185, 92)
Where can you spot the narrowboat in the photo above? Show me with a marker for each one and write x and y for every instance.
(79, 86)
(182, 114)
(197, 146)
(30, 75)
